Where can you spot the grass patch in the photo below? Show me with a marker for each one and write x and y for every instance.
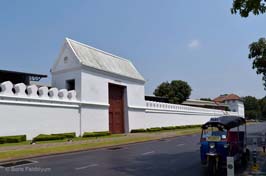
(188, 131)
(15, 144)
(66, 148)
(60, 140)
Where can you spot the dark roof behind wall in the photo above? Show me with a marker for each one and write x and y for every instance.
(20, 77)
(22, 73)
(157, 99)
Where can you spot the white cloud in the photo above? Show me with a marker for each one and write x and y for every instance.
(194, 44)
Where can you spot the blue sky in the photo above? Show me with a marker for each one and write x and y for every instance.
(196, 41)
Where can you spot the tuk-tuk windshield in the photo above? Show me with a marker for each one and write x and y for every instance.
(213, 134)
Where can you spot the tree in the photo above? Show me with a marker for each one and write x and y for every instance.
(251, 107)
(250, 103)
(257, 52)
(177, 91)
(262, 107)
(245, 7)
(257, 49)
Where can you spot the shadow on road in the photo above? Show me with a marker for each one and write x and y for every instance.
(182, 164)
(164, 164)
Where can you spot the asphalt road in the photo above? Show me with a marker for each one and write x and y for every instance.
(176, 156)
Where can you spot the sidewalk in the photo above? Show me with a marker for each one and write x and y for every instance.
(48, 148)
(260, 167)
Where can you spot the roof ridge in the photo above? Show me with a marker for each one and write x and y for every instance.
(96, 49)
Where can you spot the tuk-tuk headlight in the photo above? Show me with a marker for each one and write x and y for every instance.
(212, 145)
(226, 145)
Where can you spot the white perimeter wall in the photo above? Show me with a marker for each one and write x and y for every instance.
(19, 117)
(162, 114)
(33, 117)
(94, 118)
(33, 114)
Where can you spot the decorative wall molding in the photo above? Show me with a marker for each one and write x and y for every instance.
(158, 107)
(21, 91)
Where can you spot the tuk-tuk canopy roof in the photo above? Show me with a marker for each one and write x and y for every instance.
(226, 122)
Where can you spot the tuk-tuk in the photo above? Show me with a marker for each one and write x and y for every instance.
(220, 138)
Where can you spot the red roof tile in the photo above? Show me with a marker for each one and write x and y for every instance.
(223, 98)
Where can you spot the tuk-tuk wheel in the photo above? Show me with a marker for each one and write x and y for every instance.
(247, 153)
(212, 167)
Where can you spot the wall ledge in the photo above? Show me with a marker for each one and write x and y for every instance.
(46, 101)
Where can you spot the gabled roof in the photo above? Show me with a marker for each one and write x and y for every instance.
(223, 98)
(103, 61)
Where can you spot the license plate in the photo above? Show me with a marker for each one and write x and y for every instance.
(214, 138)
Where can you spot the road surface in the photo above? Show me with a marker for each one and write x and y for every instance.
(175, 156)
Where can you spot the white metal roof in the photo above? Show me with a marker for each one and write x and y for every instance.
(102, 60)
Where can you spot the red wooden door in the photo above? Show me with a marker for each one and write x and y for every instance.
(116, 109)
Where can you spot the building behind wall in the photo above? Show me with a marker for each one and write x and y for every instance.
(234, 102)
(20, 77)
(206, 104)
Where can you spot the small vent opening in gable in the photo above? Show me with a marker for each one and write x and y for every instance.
(65, 59)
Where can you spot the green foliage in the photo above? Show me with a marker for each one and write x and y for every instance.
(262, 108)
(168, 128)
(187, 126)
(141, 130)
(251, 114)
(257, 52)
(66, 135)
(250, 103)
(245, 7)
(255, 108)
(251, 107)
(177, 91)
(12, 139)
(96, 134)
(49, 137)
(154, 129)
